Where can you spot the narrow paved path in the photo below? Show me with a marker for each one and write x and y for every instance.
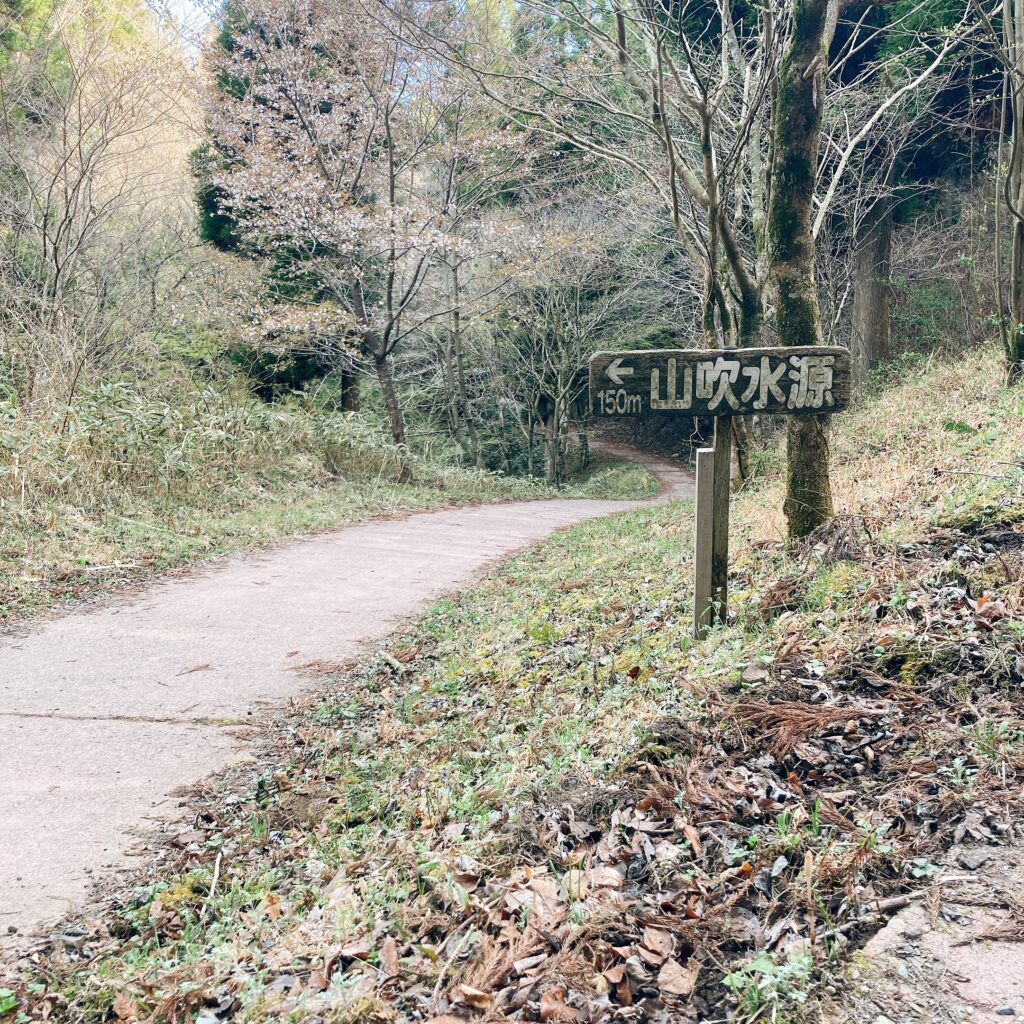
(104, 712)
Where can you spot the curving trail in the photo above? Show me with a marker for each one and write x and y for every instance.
(103, 712)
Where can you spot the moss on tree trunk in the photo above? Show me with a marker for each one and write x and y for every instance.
(1015, 331)
(791, 247)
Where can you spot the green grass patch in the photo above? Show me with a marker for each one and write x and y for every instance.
(563, 698)
(130, 485)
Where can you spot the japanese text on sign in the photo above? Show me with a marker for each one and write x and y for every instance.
(721, 383)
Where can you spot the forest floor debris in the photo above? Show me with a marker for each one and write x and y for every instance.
(546, 803)
(415, 850)
(953, 956)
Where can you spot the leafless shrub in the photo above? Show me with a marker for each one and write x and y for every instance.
(94, 199)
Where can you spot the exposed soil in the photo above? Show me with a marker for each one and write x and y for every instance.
(955, 955)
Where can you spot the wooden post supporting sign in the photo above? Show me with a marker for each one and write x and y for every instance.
(702, 535)
(721, 383)
(720, 519)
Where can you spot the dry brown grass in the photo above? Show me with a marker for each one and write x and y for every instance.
(784, 724)
(914, 449)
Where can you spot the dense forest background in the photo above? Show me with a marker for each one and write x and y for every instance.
(330, 238)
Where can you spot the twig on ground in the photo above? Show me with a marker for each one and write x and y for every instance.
(880, 907)
(395, 663)
(213, 884)
(435, 995)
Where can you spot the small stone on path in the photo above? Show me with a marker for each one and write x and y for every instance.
(973, 859)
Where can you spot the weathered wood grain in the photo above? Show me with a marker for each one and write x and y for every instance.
(703, 610)
(720, 519)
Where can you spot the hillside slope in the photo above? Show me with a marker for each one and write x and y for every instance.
(544, 802)
(130, 483)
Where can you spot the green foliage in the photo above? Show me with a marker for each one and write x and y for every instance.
(768, 985)
(997, 741)
(176, 440)
(927, 316)
(921, 867)
(890, 375)
(215, 226)
(277, 374)
(20, 24)
(834, 587)
(159, 441)
(625, 480)
(909, 21)
(136, 476)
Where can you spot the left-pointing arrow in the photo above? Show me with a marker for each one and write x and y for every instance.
(616, 371)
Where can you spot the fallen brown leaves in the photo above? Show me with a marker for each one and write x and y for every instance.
(784, 724)
(811, 794)
(834, 772)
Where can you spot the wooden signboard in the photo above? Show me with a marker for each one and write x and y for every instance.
(721, 383)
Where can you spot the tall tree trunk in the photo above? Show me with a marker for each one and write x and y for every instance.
(454, 415)
(553, 446)
(552, 460)
(871, 340)
(387, 387)
(349, 391)
(751, 320)
(1013, 187)
(741, 445)
(791, 247)
(466, 410)
(460, 369)
(502, 440)
(1015, 332)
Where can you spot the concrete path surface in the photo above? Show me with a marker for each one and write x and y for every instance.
(103, 712)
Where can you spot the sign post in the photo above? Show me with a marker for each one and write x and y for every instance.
(720, 520)
(721, 383)
(703, 605)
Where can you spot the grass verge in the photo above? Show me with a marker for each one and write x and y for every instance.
(545, 802)
(60, 544)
